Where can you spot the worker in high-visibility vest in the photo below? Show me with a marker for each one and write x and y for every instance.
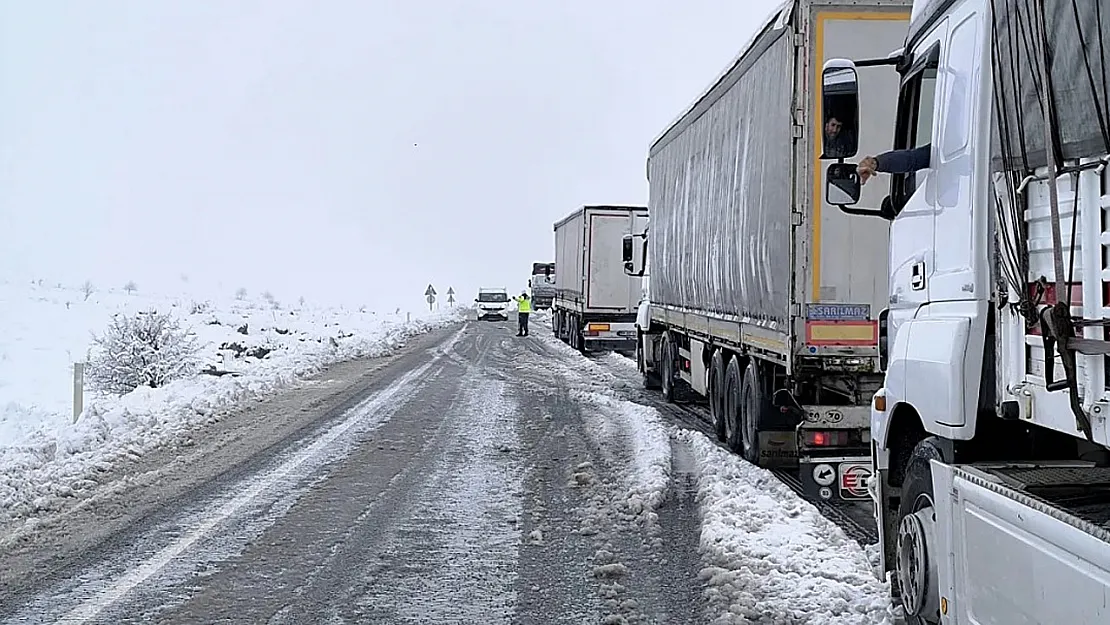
(523, 307)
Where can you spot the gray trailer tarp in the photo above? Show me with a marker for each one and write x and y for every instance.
(720, 193)
(1077, 33)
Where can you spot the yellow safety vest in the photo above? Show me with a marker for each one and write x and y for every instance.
(523, 304)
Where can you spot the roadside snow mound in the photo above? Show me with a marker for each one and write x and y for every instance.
(770, 557)
(255, 349)
(644, 446)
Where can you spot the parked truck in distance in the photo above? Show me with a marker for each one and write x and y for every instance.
(763, 300)
(991, 432)
(542, 284)
(595, 300)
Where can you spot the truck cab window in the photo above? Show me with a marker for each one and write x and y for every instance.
(916, 108)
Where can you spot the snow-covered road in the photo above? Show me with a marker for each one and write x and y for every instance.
(477, 478)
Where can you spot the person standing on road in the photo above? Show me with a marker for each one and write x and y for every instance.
(523, 307)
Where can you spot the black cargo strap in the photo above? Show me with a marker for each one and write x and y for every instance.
(1058, 334)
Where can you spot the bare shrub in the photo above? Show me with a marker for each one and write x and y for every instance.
(147, 349)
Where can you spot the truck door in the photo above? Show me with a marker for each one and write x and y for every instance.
(912, 197)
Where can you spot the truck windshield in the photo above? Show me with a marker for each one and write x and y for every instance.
(493, 298)
(543, 269)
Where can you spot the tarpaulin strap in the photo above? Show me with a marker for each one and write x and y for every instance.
(1057, 331)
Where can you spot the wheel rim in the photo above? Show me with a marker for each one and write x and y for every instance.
(917, 571)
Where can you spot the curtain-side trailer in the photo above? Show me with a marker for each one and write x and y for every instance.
(763, 299)
(991, 434)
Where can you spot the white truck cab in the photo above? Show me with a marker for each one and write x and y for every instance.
(493, 303)
(990, 434)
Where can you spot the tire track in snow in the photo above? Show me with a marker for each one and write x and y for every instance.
(644, 563)
(264, 495)
(465, 517)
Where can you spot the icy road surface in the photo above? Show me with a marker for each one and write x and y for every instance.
(477, 478)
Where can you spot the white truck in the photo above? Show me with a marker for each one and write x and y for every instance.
(542, 284)
(991, 431)
(595, 300)
(762, 299)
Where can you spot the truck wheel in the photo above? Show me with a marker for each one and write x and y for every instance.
(667, 369)
(916, 572)
(731, 404)
(753, 408)
(716, 393)
(651, 380)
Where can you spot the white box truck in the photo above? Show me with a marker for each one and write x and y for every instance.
(595, 300)
(763, 299)
(991, 433)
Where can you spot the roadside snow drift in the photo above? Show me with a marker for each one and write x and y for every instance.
(259, 350)
(770, 557)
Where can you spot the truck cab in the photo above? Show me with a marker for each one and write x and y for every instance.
(634, 255)
(990, 433)
(542, 284)
(492, 304)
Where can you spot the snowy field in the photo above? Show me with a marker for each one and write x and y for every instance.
(44, 456)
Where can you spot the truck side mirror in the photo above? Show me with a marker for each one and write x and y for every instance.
(628, 254)
(842, 189)
(842, 184)
(839, 110)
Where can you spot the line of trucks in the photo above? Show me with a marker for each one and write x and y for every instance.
(937, 340)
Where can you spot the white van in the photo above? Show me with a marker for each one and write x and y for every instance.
(493, 304)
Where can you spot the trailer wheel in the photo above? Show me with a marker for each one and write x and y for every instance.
(753, 410)
(667, 373)
(730, 402)
(716, 393)
(916, 572)
(650, 380)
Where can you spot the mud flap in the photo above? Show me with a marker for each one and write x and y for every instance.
(778, 449)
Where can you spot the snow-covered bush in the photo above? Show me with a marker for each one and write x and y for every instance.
(147, 349)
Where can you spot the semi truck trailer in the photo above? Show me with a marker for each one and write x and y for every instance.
(990, 433)
(763, 300)
(595, 300)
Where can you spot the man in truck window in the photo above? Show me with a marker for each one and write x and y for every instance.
(840, 141)
(895, 162)
(523, 307)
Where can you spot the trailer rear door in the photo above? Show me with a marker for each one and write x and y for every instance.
(609, 288)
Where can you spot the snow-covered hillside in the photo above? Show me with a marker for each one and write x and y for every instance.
(45, 329)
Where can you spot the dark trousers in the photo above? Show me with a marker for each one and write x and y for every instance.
(522, 320)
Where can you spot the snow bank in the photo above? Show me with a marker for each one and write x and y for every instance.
(44, 457)
(770, 557)
(632, 435)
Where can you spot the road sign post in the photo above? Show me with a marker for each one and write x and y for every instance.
(451, 296)
(430, 296)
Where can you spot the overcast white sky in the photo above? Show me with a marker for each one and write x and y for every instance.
(348, 151)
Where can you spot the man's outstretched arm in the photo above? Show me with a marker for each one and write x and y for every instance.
(896, 162)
